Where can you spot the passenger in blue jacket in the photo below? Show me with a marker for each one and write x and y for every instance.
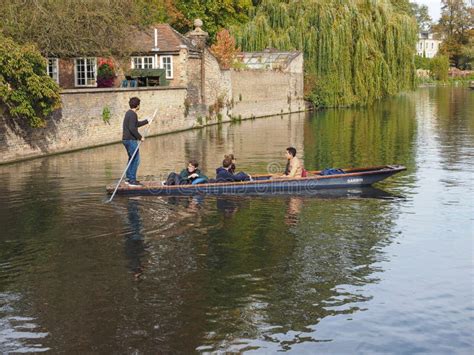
(224, 175)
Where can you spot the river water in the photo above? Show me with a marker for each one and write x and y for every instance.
(382, 270)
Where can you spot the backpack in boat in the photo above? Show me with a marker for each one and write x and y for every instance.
(331, 171)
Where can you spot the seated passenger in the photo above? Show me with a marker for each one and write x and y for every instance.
(232, 166)
(294, 168)
(224, 175)
(187, 176)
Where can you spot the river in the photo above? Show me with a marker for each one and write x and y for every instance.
(382, 270)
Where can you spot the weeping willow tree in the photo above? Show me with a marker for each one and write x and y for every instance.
(356, 51)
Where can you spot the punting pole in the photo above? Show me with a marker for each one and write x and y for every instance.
(133, 156)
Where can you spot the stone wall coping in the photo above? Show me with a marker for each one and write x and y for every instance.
(111, 90)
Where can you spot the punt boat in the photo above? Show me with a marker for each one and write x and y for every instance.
(267, 183)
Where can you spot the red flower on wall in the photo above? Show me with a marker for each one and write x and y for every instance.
(106, 73)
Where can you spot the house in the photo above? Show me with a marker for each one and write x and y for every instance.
(427, 46)
(159, 56)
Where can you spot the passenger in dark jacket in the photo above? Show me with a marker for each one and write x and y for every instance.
(186, 176)
(232, 166)
(224, 175)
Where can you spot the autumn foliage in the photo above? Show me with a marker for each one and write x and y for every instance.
(225, 49)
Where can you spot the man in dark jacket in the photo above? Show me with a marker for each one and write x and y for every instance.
(224, 175)
(131, 137)
(191, 174)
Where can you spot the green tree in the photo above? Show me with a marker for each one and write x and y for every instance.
(149, 12)
(422, 62)
(215, 14)
(439, 66)
(423, 19)
(402, 6)
(454, 26)
(25, 88)
(468, 51)
(69, 28)
(355, 51)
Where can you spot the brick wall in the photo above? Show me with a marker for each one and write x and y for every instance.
(79, 123)
(257, 93)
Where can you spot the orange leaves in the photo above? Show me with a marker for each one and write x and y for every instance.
(225, 49)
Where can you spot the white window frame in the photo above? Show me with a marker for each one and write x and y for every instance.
(168, 71)
(139, 62)
(54, 71)
(76, 78)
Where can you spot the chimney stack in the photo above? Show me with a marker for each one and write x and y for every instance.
(155, 47)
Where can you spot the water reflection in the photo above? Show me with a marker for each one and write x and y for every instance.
(18, 334)
(134, 243)
(293, 210)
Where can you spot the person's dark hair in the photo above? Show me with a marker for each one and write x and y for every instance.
(194, 163)
(226, 162)
(134, 102)
(291, 150)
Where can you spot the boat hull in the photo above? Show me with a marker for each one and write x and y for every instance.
(266, 185)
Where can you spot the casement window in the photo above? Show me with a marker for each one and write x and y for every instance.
(166, 62)
(85, 72)
(143, 62)
(52, 69)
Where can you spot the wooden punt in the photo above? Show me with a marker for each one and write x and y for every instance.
(267, 184)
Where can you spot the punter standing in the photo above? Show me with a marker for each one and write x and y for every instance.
(131, 137)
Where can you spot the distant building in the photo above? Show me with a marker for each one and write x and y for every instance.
(427, 45)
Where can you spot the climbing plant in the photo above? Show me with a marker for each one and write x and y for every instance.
(355, 51)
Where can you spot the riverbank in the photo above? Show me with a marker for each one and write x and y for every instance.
(427, 82)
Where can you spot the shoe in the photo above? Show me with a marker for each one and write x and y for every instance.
(135, 183)
(163, 182)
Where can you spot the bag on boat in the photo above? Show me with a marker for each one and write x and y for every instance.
(304, 173)
(331, 171)
(199, 180)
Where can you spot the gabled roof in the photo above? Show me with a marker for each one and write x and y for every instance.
(169, 40)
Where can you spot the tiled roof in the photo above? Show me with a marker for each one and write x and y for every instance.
(169, 40)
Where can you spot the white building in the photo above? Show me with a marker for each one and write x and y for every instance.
(427, 46)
